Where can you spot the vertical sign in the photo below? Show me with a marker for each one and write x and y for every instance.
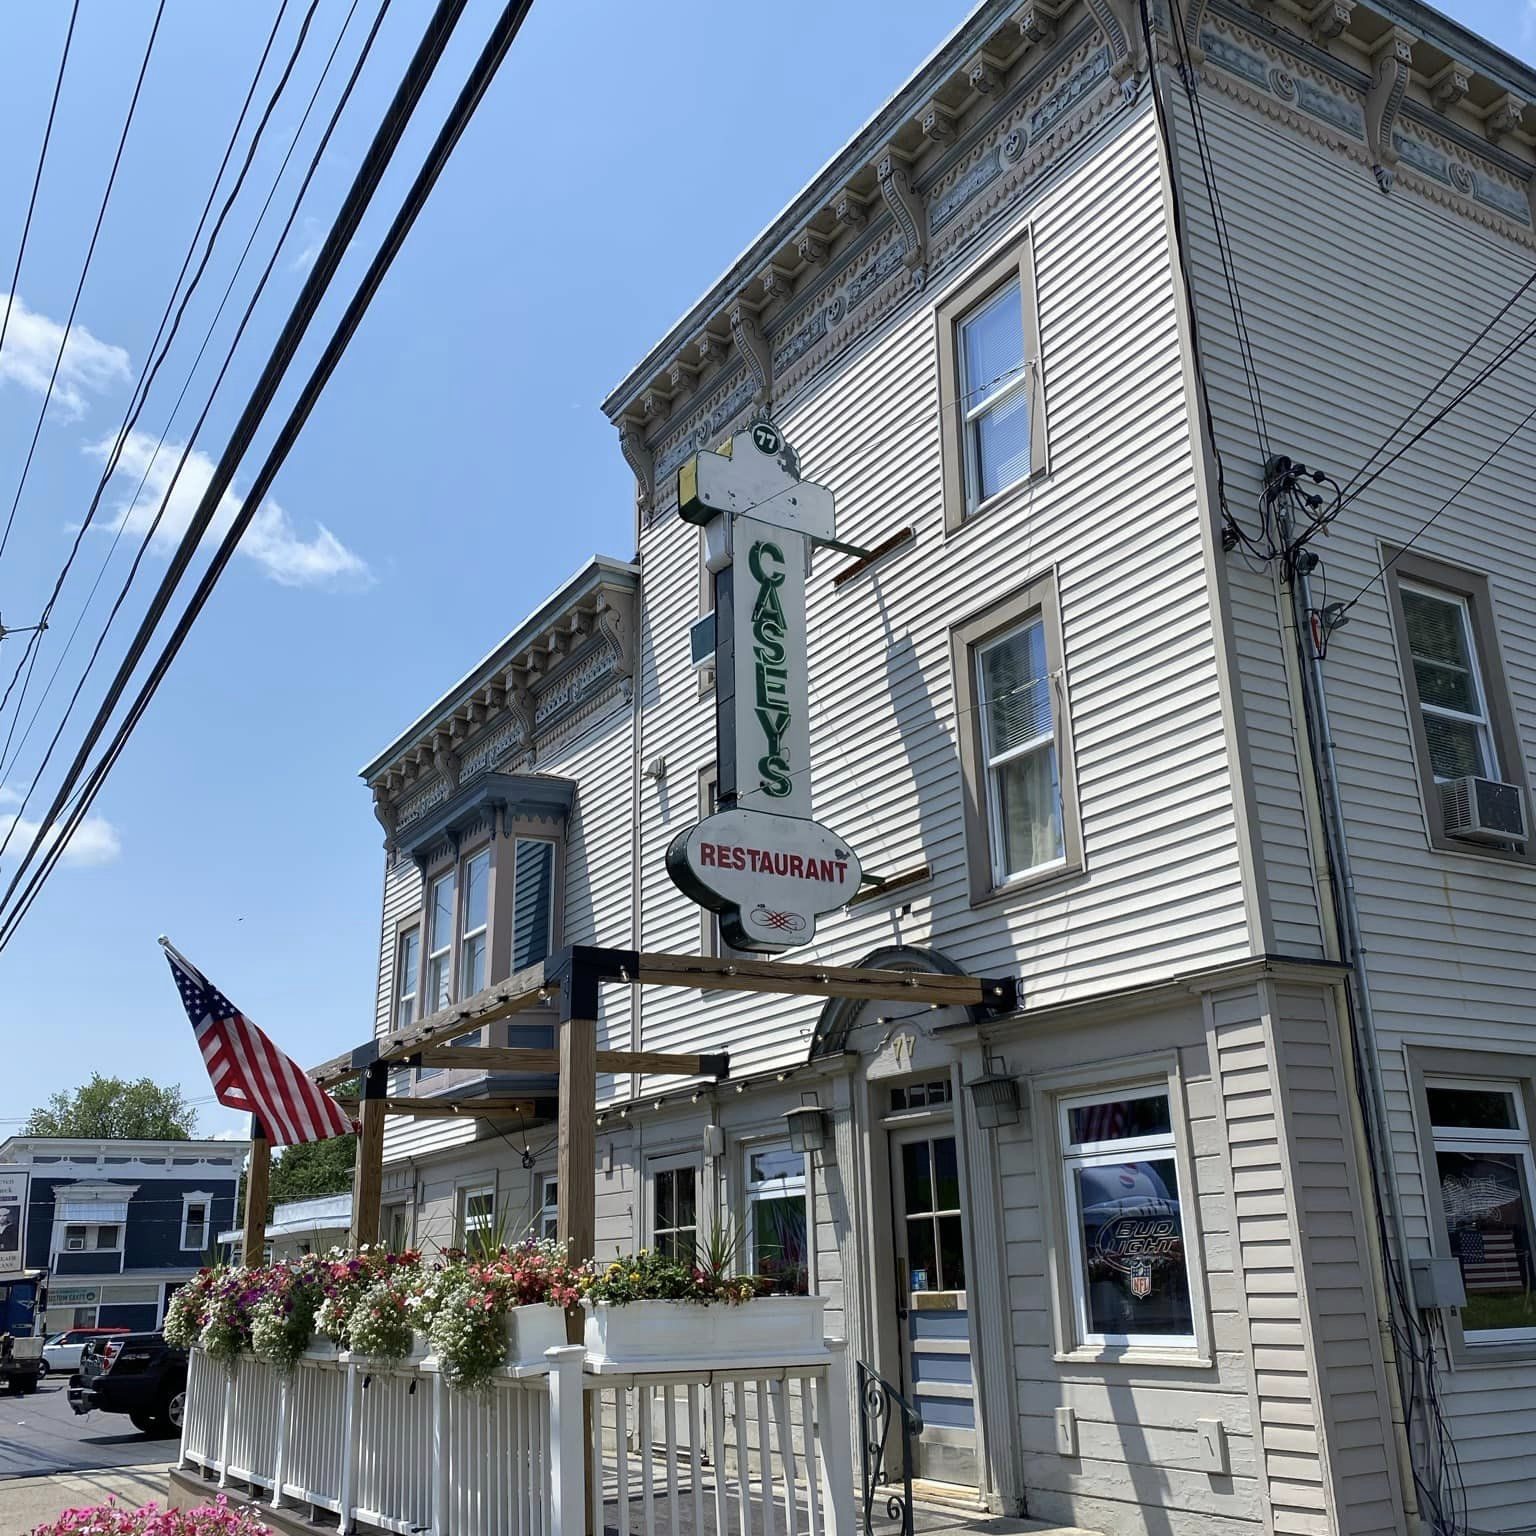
(13, 1219)
(761, 862)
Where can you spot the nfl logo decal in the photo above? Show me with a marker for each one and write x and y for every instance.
(1141, 1281)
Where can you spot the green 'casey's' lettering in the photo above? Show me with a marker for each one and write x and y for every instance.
(769, 634)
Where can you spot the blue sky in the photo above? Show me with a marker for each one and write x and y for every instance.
(457, 468)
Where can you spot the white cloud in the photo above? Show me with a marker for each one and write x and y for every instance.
(87, 367)
(271, 540)
(95, 840)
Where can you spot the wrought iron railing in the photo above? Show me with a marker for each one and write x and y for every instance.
(880, 1407)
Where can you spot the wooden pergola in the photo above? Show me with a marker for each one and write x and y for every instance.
(571, 980)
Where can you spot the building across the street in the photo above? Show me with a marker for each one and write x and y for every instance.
(1228, 1226)
(117, 1224)
(296, 1228)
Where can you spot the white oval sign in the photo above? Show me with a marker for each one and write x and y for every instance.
(769, 877)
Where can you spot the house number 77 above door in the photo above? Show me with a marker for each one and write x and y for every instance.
(760, 861)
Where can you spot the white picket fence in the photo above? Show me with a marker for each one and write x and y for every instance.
(560, 1450)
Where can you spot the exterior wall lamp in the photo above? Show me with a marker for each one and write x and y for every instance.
(995, 1096)
(807, 1127)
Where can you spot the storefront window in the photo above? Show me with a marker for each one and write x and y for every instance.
(1483, 1158)
(776, 1219)
(1129, 1269)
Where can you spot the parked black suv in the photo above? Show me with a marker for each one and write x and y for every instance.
(138, 1374)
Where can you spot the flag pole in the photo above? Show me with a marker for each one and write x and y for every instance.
(253, 1249)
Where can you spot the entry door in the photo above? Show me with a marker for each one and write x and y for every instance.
(931, 1303)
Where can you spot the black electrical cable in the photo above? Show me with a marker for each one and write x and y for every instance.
(5, 759)
(101, 214)
(209, 503)
(1423, 527)
(478, 82)
(1500, 358)
(1434, 388)
(377, 159)
(37, 179)
(151, 368)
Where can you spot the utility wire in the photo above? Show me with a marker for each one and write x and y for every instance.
(1423, 527)
(37, 179)
(101, 214)
(151, 368)
(6, 760)
(208, 506)
(380, 152)
(1434, 388)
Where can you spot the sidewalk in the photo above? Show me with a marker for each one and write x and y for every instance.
(26, 1502)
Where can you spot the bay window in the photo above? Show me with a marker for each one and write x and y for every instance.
(407, 976)
(533, 901)
(441, 904)
(473, 924)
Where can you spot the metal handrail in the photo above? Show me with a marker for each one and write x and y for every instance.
(877, 1397)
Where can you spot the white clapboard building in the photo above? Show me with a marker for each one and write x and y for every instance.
(1229, 1226)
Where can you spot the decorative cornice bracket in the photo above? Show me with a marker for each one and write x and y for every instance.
(896, 189)
(753, 346)
(641, 461)
(1036, 21)
(1503, 117)
(1393, 69)
(1119, 21)
(1330, 19)
(1450, 85)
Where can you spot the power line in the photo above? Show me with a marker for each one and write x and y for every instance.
(1423, 527)
(206, 507)
(101, 214)
(1434, 388)
(5, 760)
(37, 179)
(377, 159)
(469, 97)
(147, 374)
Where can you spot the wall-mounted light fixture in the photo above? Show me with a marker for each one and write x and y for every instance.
(995, 1096)
(807, 1126)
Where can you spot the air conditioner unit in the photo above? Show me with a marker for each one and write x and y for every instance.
(1483, 810)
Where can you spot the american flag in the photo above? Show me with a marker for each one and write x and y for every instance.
(249, 1072)
(1488, 1259)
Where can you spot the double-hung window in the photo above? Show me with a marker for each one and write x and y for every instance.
(776, 1218)
(441, 910)
(675, 1211)
(994, 395)
(473, 921)
(549, 1206)
(1015, 742)
(1125, 1220)
(1013, 686)
(194, 1223)
(1483, 1160)
(990, 402)
(1449, 683)
(1460, 720)
(407, 976)
(476, 1216)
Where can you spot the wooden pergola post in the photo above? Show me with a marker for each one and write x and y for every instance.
(254, 1243)
(368, 1170)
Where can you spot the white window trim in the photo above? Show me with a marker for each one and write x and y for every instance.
(204, 1198)
(998, 391)
(466, 935)
(461, 1198)
(549, 1205)
(670, 1164)
(1106, 1154)
(1515, 1142)
(1002, 876)
(785, 1188)
(1482, 722)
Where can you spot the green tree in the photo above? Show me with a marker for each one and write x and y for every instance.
(115, 1107)
(313, 1168)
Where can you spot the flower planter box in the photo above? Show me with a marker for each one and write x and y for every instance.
(656, 1333)
(531, 1330)
(322, 1349)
